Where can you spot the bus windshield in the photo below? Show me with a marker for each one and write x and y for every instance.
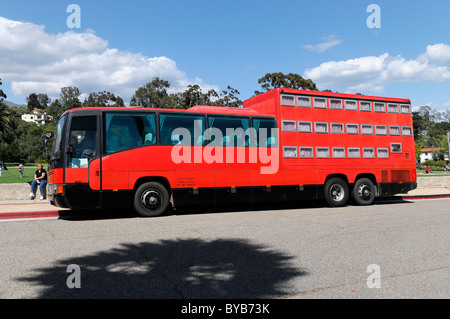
(56, 151)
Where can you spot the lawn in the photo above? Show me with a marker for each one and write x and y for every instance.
(12, 175)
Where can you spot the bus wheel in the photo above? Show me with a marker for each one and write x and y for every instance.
(364, 191)
(336, 192)
(151, 199)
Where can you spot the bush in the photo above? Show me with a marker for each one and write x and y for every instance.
(428, 162)
(440, 163)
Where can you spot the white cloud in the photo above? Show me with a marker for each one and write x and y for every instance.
(373, 73)
(33, 60)
(329, 42)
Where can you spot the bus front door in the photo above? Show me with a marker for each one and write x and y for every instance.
(82, 149)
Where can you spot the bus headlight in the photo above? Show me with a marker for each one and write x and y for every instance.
(54, 189)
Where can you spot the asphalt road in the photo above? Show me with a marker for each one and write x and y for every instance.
(388, 250)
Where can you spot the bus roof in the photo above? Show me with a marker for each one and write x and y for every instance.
(278, 91)
(203, 109)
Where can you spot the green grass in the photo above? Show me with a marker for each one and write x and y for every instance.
(12, 175)
(433, 173)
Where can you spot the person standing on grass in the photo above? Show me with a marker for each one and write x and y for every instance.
(21, 168)
(40, 178)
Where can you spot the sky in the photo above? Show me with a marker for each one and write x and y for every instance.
(385, 48)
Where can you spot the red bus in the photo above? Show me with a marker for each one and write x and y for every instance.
(282, 145)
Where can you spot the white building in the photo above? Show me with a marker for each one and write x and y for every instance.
(37, 116)
(427, 154)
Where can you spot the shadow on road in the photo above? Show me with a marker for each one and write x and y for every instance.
(184, 268)
(96, 214)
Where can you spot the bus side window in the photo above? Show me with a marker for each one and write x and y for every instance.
(234, 130)
(266, 132)
(181, 128)
(128, 130)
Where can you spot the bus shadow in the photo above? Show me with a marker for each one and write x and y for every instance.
(180, 268)
(99, 214)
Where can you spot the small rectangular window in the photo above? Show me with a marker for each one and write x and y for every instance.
(392, 108)
(365, 106)
(380, 130)
(351, 105)
(306, 152)
(396, 147)
(303, 101)
(290, 151)
(320, 102)
(378, 107)
(407, 131)
(287, 100)
(394, 130)
(405, 108)
(335, 104)
(383, 153)
(321, 127)
(366, 129)
(337, 128)
(338, 152)
(323, 152)
(368, 153)
(354, 152)
(288, 126)
(352, 129)
(305, 127)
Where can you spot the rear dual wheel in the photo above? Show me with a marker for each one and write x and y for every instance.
(364, 191)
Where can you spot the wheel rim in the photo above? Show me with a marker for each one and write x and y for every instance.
(364, 192)
(337, 192)
(151, 199)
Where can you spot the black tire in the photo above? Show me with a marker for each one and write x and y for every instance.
(151, 199)
(336, 192)
(364, 191)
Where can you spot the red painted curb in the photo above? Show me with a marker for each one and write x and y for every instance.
(38, 214)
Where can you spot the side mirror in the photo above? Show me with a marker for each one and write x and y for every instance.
(46, 136)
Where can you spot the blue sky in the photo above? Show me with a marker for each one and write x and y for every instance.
(122, 45)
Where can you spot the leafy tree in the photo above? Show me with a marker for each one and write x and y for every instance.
(103, 99)
(55, 110)
(153, 94)
(193, 95)
(4, 111)
(272, 81)
(37, 101)
(228, 98)
(70, 97)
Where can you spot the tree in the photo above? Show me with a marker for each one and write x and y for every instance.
(272, 81)
(55, 110)
(69, 97)
(228, 98)
(152, 94)
(194, 95)
(4, 111)
(103, 99)
(37, 101)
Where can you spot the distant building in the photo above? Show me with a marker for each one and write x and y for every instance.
(37, 116)
(427, 154)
